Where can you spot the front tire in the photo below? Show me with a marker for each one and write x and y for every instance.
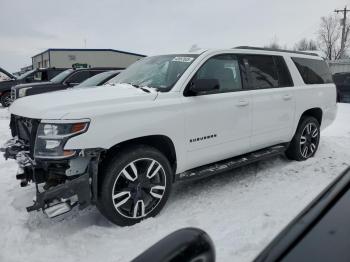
(6, 99)
(306, 139)
(136, 185)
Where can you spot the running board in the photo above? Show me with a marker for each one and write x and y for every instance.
(231, 163)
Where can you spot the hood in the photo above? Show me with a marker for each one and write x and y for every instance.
(58, 104)
(34, 84)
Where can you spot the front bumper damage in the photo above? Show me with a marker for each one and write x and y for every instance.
(77, 189)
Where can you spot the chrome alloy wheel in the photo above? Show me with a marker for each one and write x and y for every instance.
(309, 140)
(139, 188)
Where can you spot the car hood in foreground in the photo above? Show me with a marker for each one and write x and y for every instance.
(79, 103)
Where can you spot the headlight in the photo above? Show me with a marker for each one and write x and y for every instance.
(52, 137)
(23, 91)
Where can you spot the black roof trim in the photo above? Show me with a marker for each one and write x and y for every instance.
(88, 49)
(275, 50)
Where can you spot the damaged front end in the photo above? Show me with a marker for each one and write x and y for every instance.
(63, 178)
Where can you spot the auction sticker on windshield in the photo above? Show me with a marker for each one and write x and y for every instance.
(183, 59)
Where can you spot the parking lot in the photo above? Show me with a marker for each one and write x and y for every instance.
(242, 210)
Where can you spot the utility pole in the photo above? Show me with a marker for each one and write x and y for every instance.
(343, 35)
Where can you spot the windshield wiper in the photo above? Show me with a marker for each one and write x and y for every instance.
(140, 87)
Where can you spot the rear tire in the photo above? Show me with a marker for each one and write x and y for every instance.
(136, 185)
(6, 99)
(306, 139)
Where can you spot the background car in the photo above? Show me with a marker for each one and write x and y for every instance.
(342, 81)
(5, 76)
(66, 79)
(99, 79)
(35, 75)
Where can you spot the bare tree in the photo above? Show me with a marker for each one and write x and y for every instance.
(329, 37)
(305, 45)
(274, 44)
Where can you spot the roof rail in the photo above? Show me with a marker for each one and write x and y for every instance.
(274, 49)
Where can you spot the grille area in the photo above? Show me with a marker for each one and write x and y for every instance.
(25, 129)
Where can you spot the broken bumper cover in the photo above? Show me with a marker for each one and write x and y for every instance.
(59, 194)
(79, 187)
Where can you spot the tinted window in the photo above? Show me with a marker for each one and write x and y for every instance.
(61, 76)
(313, 71)
(95, 72)
(284, 77)
(78, 77)
(224, 68)
(262, 70)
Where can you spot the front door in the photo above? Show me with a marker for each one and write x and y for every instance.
(218, 123)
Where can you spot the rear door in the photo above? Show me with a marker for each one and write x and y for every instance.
(273, 100)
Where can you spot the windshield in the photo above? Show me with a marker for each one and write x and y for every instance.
(24, 75)
(61, 76)
(97, 79)
(160, 72)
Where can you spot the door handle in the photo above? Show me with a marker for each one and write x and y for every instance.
(287, 97)
(242, 103)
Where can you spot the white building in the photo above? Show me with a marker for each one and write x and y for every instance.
(65, 58)
(339, 66)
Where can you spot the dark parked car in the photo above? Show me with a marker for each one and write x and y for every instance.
(35, 75)
(5, 76)
(66, 79)
(342, 81)
(99, 79)
(321, 233)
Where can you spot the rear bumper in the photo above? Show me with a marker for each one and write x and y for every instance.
(329, 116)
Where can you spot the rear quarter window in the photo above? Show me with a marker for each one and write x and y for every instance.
(313, 71)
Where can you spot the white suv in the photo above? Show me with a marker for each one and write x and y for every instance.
(164, 119)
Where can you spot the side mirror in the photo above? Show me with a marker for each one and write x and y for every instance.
(185, 245)
(204, 85)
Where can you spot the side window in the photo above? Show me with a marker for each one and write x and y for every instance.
(38, 76)
(313, 71)
(30, 77)
(78, 77)
(284, 77)
(52, 73)
(224, 68)
(262, 70)
(92, 73)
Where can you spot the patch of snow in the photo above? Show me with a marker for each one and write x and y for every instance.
(242, 210)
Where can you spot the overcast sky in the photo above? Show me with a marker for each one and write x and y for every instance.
(153, 26)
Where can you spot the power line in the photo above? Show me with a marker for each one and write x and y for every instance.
(344, 31)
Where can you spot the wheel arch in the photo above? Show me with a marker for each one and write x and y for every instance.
(315, 112)
(161, 142)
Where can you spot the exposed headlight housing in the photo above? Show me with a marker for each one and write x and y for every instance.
(23, 91)
(52, 137)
